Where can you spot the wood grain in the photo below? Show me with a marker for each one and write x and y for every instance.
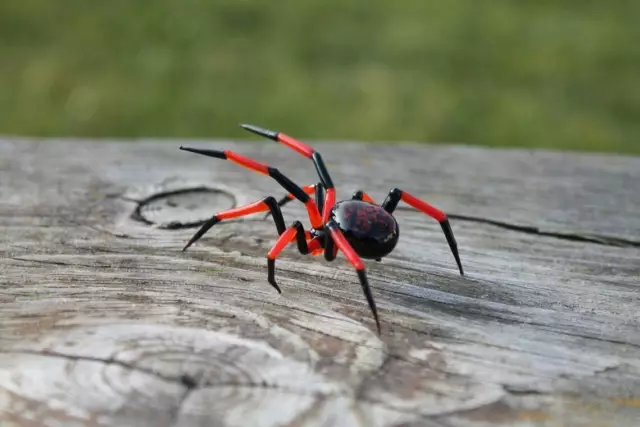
(104, 321)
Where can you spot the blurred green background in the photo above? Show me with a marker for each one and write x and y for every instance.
(562, 74)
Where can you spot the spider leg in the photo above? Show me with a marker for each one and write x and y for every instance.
(309, 152)
(309, 189)
(268, 203)
(290, 186)
(320, 194)
(330, 248)
(361, 195)
(342, 243)
(296, 231)
(394, 197)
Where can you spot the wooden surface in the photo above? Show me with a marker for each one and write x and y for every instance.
(104, 321)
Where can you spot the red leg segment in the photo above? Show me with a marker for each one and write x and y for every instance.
(247, 162)
(282, 242)
(342, 243)
(361, 195)
(315, 246)
(255, 207)
(425, 207)
(367, 198)
(299, 146)
(329, 203)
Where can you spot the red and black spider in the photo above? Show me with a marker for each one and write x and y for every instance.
(358, 227)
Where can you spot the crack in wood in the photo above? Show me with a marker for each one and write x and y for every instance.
(175, 416)
(108, 361)
(574, 237)
(187, 381)
(59, 263)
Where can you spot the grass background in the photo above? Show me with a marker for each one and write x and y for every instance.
(562, 74)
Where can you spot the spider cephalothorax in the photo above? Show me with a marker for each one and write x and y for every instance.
(358, 227)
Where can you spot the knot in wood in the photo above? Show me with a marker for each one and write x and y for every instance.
(183, 208)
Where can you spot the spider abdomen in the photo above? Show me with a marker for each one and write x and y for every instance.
(372, 232)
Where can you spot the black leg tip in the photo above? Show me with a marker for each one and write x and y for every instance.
(218, 154)
(458, 262)
(362, 275)
(260, 131)
(448, 232)
(271, 274)
(275, 285)
(378, 329)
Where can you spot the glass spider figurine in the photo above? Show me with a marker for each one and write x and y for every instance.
(358, 227)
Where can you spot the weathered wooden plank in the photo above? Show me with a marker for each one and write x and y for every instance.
(103, 321)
